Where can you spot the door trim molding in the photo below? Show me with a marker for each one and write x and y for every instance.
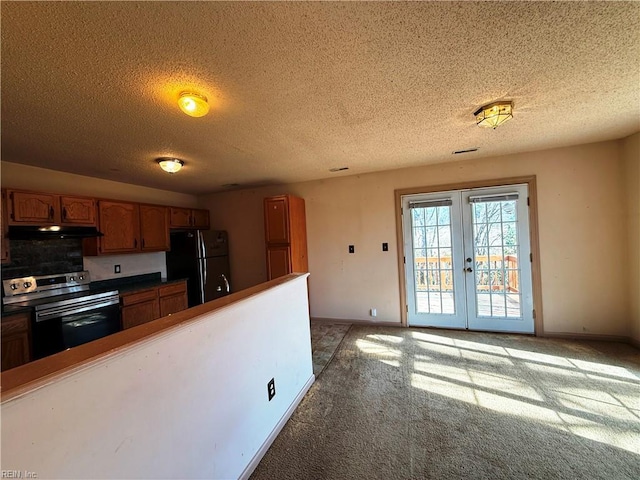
(533, 236)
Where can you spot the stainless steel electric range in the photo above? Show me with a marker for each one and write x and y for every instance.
(65, 311)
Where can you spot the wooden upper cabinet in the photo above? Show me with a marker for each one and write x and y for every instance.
(33, 208)
(180, 217)
(4, 241)
(120, 224)
(189, 218)
(154, 228)
(276, 218)
(285, 235)
(200, 219)
(78, 211)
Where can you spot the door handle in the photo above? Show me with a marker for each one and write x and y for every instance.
(468, 270)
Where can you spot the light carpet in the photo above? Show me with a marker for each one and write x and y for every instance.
(399, 403)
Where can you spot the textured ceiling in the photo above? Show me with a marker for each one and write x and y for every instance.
(299, 88)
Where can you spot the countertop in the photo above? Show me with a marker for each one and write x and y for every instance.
(133, 283)
(123, 285)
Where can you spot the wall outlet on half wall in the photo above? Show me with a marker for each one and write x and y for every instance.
(271, 388)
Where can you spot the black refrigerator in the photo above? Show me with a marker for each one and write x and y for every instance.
(202, 257)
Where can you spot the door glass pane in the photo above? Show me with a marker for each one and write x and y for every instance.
(432, 262)
(495, 247)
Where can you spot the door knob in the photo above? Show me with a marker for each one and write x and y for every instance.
(468, 269)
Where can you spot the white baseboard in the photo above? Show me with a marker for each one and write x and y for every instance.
(356, 322)
(586, 336)
(274, 433)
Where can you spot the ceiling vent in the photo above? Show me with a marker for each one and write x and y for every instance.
(468, 150)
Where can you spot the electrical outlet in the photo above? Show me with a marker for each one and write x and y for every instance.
(352, 249)
(116, 269)
(385, 247)
(373, 312)
(271, 389)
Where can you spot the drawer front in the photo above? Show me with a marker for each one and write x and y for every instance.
(138, 297)
(172, 289)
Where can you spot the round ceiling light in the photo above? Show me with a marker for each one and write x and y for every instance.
(193, 104)
(170, 165)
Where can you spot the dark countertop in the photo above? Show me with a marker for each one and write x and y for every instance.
(14, 310)
(133, 283)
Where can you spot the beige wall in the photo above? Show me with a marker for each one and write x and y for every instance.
(631, 156)
(582, 229)
(14, 175)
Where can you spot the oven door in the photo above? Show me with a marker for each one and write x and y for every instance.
(57, 329)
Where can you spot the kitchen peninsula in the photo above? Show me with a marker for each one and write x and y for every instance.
(114, 389)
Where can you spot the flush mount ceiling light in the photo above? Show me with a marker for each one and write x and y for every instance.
(494, 114)
(193, 104)
(170, 165)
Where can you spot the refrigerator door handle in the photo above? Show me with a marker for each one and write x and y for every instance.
(204, 280)
(226, 283)
(202, 249)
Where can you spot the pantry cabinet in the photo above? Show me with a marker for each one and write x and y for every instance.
(4, 241)
(285, 235)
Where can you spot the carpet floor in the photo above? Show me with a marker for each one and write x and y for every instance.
(403, 403)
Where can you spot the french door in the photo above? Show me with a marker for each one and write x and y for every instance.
(467, 259)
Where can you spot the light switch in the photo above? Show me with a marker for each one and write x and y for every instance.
(352, 249)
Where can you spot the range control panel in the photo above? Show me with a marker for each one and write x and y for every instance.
(20, 286)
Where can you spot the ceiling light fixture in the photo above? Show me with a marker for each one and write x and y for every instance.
(494, 114)
(193, 104)
(170, 165)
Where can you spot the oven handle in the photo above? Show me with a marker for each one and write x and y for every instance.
(71, 310)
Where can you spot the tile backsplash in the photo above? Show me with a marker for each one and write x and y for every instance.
(43, 257)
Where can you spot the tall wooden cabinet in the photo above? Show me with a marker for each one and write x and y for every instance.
(286, 235)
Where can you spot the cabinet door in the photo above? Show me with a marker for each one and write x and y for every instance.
(15, 341)
(180, 217)
(139, 313)
(173, 303)
(154, 227)
(200, 219)
(120, 224)
(33, 208)
(276, 220)
(278, 262)
(172, 298)
(4, 242)
(78, 211)
(15, 350)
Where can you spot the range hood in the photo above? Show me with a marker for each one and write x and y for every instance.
(51, 232)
